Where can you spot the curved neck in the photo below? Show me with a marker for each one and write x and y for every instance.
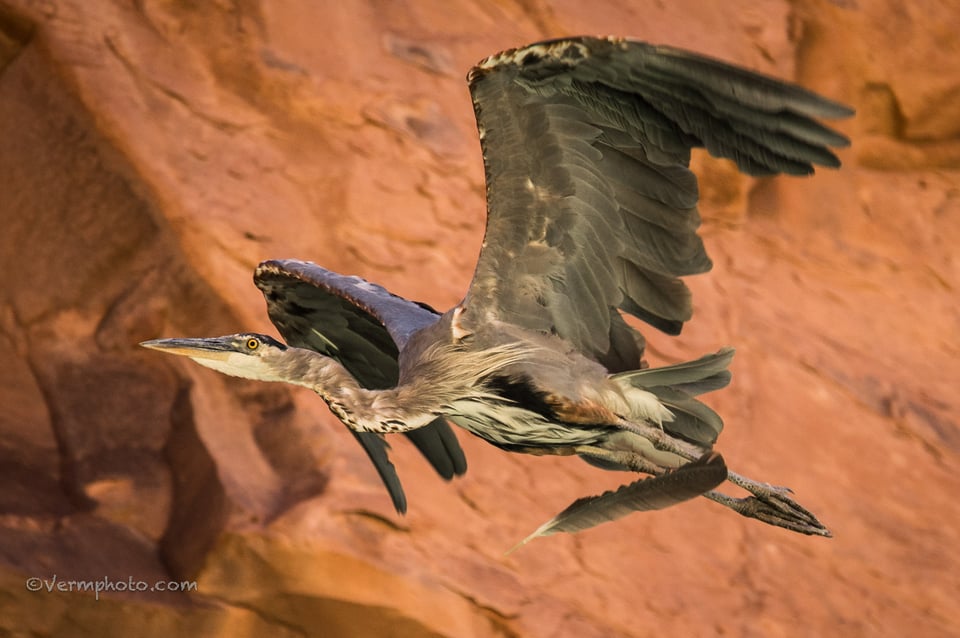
(438, 376)
(396, 409)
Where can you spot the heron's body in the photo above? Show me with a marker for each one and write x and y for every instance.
(519, 390)
(591, 214)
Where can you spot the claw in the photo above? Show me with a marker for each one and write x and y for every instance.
(771, 504)
(774, 508)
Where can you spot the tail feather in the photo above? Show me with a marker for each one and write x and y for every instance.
(676, 386)
(710, 369)
(692, 419)
(716, 381)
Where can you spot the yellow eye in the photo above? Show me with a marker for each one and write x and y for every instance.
(253, 344)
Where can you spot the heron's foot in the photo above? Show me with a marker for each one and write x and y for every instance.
(772, 505)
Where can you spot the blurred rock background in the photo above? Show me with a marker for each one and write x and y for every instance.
(152, 152)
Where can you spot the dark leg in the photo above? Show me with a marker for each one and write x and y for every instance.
(622, 458)
(663, 441)
(768, 503)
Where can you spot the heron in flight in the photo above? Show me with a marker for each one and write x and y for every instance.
(591, 213)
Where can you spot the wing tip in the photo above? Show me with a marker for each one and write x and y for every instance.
(543, 530)
(440, 447)
(692, 479)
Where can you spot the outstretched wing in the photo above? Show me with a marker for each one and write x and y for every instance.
(686, 482)
(591, 205)
(363, 326)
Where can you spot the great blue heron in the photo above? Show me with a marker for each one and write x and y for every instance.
(591, 211)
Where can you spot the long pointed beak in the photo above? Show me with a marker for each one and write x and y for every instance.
(217, 348)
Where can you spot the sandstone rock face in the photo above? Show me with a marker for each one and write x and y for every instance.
(154, 152)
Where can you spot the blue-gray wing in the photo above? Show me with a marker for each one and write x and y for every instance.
(363, 326)
(591, 206)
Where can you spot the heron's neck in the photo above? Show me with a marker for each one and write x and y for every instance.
(439, 376)
(396, 409)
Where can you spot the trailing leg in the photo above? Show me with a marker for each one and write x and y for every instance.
(662, 440)
(769, 503)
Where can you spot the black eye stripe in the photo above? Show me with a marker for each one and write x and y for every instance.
(253, 341)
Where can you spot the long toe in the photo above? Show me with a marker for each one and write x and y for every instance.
(774, 507)
(777, 508)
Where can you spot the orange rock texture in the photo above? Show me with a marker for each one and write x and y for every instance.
(153, 152)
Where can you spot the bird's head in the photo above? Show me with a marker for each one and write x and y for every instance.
(248, 355)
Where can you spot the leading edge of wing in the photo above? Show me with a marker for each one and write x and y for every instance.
(349, 319)
(399, 317)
